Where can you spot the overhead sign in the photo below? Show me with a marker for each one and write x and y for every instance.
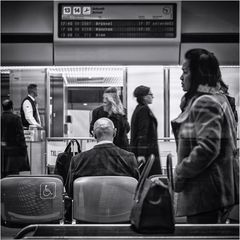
(77, 20)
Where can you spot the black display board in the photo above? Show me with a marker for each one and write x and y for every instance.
(116, 20)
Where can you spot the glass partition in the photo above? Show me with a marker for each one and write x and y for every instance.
(151, 76)
(81, 92)
(19, 79)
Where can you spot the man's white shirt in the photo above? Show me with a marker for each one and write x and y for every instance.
(28, 112)
(104, 142)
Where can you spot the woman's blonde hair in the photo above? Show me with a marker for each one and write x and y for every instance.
(113, 98)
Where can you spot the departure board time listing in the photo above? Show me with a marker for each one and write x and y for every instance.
(111, 21)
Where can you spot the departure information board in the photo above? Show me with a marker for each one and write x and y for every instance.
(77, 20)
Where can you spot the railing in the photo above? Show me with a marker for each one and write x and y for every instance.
(55, 145)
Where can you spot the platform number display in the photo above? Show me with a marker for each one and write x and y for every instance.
(79, 20)
(67, 10)
(76, 10)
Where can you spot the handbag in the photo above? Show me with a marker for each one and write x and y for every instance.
(152, 210)
(64, 159)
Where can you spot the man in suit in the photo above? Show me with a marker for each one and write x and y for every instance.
(104, 159)
(13, 145)
(29, 108)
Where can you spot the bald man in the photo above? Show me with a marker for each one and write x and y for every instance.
(105, 159)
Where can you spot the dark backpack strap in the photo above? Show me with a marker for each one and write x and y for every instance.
(144, 175)
(72, 141)
(170, 171)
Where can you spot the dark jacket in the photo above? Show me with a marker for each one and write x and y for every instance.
(24, 121)
(120, 122)
(144, 138)
(207, 172)
(13, 145)
(232, 103)
(102, 160)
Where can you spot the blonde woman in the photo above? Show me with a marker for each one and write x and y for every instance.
(112, 108)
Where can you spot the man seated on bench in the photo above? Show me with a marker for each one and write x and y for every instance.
(105, 159)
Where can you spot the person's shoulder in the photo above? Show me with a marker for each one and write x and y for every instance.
(124, 152)
(207, 99)
(98, 109)
(26, 100)
(82, 155)
(17, 116)
(14, 116)
(231, 100)
(142, 108)
(116, 117)
(208, 102)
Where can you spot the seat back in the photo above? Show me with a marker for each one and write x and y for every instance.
(103, 199)
(234, 214)
(31, 200)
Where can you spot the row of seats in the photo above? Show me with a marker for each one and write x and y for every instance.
(40, 199)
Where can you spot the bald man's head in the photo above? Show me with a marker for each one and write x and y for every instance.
(104, 129)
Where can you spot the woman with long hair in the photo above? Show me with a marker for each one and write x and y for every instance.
(113, 109)
(207, 172)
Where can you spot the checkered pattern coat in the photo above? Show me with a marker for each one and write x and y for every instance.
(207, 172)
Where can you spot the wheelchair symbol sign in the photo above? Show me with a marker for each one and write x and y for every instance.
(48, 190)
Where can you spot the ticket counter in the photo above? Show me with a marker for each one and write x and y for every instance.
(36, 145)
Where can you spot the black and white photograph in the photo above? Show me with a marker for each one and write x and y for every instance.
(120, 119)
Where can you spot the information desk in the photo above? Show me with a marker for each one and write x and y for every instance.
(36, 147)
(36, 154)
(124, 231)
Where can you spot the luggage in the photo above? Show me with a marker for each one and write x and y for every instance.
(152, 210)
(64, 159)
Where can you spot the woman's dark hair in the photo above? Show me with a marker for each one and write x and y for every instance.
(140, 92)
(204, 68)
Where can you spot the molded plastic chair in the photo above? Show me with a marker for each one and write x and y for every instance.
(103, 199)
(31, 200)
